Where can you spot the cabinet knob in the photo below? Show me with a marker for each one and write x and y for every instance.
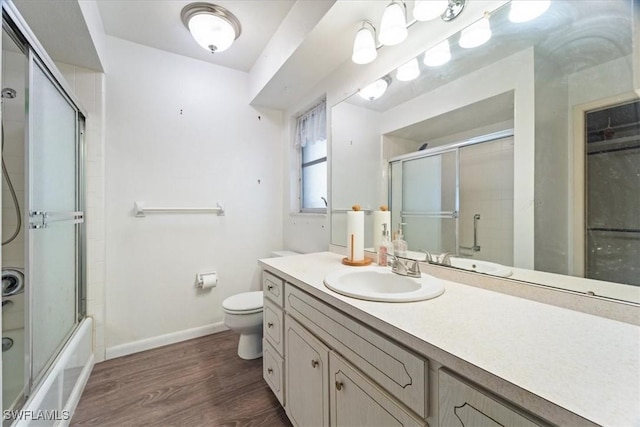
(269, 324)
(339, 385)
(269, 371)
(314, 363)
(269, 287)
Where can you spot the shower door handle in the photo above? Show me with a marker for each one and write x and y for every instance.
(42, 219)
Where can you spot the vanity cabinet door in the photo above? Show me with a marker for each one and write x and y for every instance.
(356, 401)
(307, 373)
(462, 405)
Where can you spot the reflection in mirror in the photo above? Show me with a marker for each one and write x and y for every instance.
(540, 202)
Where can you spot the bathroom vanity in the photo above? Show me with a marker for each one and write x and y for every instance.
(471, 356)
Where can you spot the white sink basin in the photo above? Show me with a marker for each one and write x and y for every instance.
(380, 284)
(480, 266)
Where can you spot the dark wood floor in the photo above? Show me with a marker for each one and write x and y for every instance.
(201, 382)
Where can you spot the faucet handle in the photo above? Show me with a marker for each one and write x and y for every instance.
(413, 268)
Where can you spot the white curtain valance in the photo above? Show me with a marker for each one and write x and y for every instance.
(311, 126)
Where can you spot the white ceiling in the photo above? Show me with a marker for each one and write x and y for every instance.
(319, 39)
(157, 24)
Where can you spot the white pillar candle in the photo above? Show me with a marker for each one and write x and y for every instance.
(379, 218)
(355, 236)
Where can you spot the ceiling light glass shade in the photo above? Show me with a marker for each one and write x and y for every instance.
(213, 27)
(425, 10)
(393, 28)
(527, 10)
(364, 47)
(375, 90)
(476, 34)
(408, 71)
(438, 55)
(211, 32)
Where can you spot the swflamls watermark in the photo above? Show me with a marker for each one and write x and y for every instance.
(40, 415)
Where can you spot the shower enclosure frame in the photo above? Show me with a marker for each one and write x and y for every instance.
(36, 56)
(454, 147)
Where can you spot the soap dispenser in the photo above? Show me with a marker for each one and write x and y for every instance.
(385, 247)
(399, 244)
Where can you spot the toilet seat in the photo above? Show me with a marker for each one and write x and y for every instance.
(243, 303)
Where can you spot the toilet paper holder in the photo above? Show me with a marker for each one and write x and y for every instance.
(207, 280)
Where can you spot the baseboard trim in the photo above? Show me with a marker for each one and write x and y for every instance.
(161, 340)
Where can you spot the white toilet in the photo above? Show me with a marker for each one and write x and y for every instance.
(243, 314)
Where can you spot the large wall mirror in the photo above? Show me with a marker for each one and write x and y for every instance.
(519, 157)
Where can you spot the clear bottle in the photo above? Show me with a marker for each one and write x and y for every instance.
(399, 244)
(384, 248)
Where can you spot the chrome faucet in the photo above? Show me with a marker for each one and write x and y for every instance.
(428, 257)
(445, 258)
(405, 266)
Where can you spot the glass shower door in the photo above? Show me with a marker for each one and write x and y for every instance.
(429, 202)
(54, 216)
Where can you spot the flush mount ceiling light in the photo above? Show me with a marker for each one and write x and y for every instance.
(408, 71)
(438, 55)
(213, 27)
(476, 34)
(376, 89)
(527, 10)
(393, 28)
(364, 46)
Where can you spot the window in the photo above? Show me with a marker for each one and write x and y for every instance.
(311, 140)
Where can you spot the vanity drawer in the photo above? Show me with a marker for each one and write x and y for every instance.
(399, 371)
(461, 404)
(273, 370)
(272, 326)
(273, 288)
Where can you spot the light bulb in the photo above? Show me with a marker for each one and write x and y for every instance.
(527, 10)
(438, 55)
(425, 10)
(393, 28)
(375, 90)
(408, 71)
(211, 32)
(476, 34)
(364, 47)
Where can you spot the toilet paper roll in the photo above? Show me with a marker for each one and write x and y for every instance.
(355, 236)
(207, 280)
(379, 218)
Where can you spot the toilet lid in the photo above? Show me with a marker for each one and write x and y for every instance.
(245, 301)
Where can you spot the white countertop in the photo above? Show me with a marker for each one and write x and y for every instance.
(585, 364)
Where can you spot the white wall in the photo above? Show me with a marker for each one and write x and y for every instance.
(355, 140)
(181, 133)
(552, 163)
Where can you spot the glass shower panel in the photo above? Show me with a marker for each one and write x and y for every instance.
(53, 232)
(430, 184)
(432, 234)
(430, 202)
